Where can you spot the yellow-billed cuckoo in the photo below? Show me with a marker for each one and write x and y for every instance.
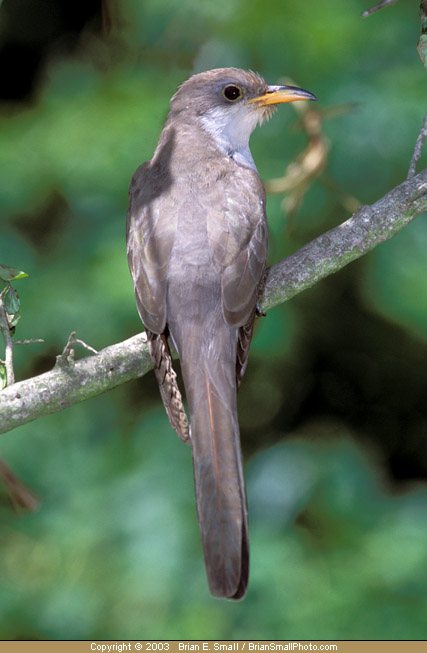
(197, 246)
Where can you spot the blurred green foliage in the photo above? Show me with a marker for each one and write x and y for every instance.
(332, 409)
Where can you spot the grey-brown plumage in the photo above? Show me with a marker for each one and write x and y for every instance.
(197, 246)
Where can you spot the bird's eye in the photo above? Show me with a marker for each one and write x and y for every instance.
(232, 92)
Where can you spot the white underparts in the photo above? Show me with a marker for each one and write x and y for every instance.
(231, 127)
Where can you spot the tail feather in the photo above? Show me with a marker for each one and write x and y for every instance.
(210, 383)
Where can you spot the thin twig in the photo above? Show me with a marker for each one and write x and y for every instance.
(29, 341)
(380, 5)
(86, 346)
(67, 356)
(418, 149)
(8, 343)
(20, 495)
(68, 351)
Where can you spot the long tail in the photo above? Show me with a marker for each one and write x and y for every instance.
(209, 371)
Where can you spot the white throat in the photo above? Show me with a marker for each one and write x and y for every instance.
(231, 128)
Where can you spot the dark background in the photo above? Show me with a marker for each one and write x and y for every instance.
(333, 407)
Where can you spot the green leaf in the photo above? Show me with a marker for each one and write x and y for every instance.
(10, 274)
(422, 49)
(13, 322)
(11, 301)
(3, 376)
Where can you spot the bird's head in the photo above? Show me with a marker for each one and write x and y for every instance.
(229, 103)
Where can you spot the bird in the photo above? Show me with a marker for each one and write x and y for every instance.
(197, 248)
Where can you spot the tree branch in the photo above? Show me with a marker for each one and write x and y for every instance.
(369, 227)
(422, 136)
(75, 381)
(380, 5)
(70, 383)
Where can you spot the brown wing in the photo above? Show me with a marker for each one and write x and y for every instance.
(237, 235)
(239, 247)
(241, 279)
(151, 228)
(240, 284)
(150, 237)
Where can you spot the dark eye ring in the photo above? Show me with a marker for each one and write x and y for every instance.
(232, 92)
